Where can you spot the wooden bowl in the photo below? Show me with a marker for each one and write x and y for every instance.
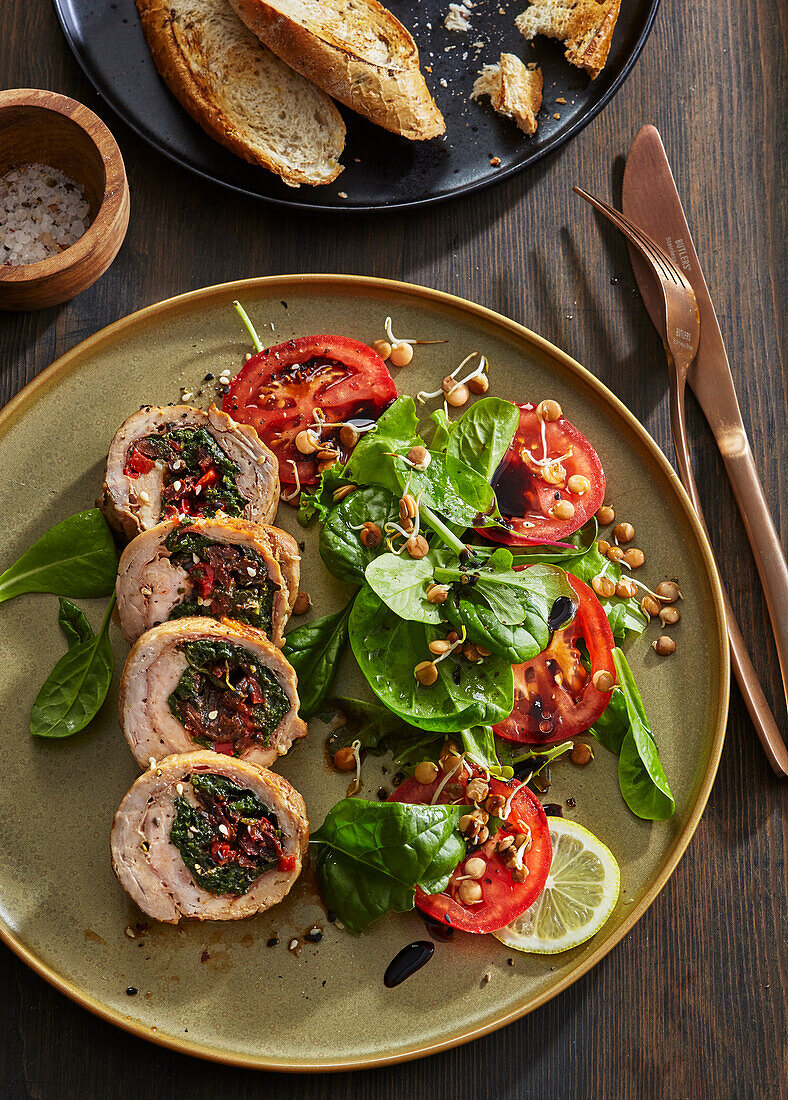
(39, 127)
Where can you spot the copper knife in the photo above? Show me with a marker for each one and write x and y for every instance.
(651, 200)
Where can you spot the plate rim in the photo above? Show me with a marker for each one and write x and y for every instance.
(71, 359)
(347, 206)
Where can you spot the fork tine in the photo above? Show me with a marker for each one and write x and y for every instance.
(660, 262)
(621, 223)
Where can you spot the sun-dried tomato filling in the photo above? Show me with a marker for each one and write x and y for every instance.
(227, 700)
(198, 478)
(227, 580)
(228, 838)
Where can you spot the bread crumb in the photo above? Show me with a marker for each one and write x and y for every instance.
(458, 16)
(514, 91)
(342, 194)
(556, 115)
(495, 162)
(560, 99)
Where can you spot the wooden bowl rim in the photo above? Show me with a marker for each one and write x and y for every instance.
(115, 182)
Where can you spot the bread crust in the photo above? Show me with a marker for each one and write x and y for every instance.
(195, 97)
(394, 97)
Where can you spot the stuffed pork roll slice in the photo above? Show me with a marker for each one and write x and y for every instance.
(197, 683)
(203, 837)
(180, 461)
(223, 568)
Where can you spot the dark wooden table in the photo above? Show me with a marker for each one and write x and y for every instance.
(693, 1002)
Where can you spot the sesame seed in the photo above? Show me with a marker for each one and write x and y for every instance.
(187, 395)
(179, 788)
(213, 714)
(251, 571)
(224, 830)
(293, 945)
(152, 761)
(196, 559)
(176, 486)
(130, 933)
(144, 497)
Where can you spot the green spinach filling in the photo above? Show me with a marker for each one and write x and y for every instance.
(200, 479)
(228, 839)
(229, 581)
(226, 699)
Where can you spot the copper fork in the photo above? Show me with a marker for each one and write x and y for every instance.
(682, 335)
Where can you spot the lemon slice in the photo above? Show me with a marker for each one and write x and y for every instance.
(580, 894)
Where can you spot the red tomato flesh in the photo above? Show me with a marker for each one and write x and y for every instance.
(554, 697)
(503, 899)
(278, 390)
(527, 490)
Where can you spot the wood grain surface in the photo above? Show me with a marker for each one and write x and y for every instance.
(693, 1002)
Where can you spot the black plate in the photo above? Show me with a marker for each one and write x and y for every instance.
(382, 170)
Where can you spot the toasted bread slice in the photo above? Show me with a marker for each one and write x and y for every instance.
(584, 26)
(241, 93)
(357, 52)
(514, 91)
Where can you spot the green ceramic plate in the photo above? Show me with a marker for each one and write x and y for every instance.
(321, 1006)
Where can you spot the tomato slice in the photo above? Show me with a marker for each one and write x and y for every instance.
(278, 390)
(554, 697)
(503, 899)
(533, 477)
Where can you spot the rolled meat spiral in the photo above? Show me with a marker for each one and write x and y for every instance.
(204, 837)
(180, 461)
(197, 683)
(220, 567)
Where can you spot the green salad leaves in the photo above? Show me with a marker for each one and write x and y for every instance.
(315, 650)
(387, 648)
(624, 729)
(371, 856)
(72, 694)
(76, 557)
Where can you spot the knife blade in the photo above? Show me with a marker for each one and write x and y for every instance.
(651, 200)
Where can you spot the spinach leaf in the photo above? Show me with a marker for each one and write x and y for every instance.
(507, 593)
(585, 562)
(339, 545)
(517, 642)
(442, 431)
(512, 755)
(380, 731)
(624, 615)
(613, 723)
(73, 623)
(401, 582)
(388, 648)
(482, 435)
(72, 694)
(459, 497)
(579, 543)
(396, 430)
(314, 650)
(372, 855)
(640, 774)
(76, 557)
(320, 500)
(623, 728)
(480, 745)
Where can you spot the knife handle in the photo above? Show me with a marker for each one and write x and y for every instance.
(746, 676)
(758, 524)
